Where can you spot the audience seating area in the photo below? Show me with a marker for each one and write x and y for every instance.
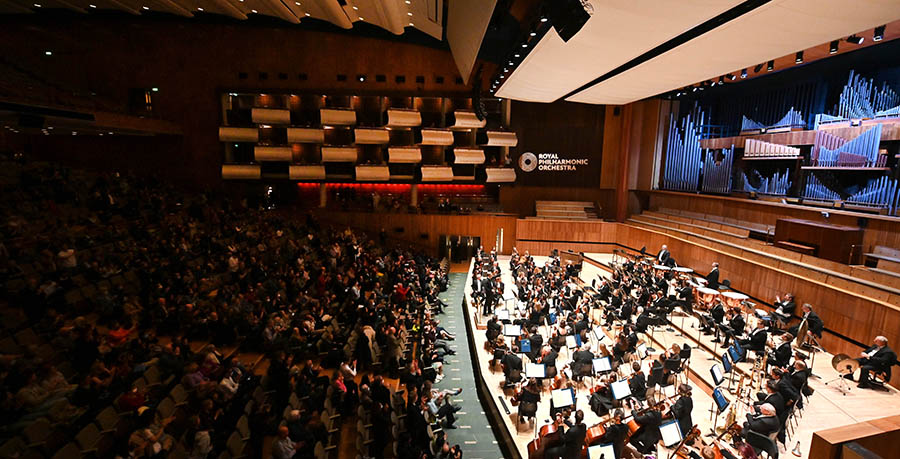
(139, 321)
(886, 260)
(572, 210)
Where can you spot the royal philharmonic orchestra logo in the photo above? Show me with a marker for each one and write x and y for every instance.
(549, 162)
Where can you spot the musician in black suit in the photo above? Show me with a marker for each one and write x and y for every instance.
(784, 309)
(735, 326)
(766, 423)
(686, 297)
(638, 382)
(813, 322)
(716, 314)
(757, 340)
(648, 435)
(785, 387)
(572, 439)
(878, 357)
(770, 396)
(663, 256)
(512, 365)
(781, 357)
(712, 278)
(616, 433)
(682, 408)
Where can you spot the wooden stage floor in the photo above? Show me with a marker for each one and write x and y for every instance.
(827, 408)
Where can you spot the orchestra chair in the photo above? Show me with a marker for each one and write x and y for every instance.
(762, 444)
(725, 284)
(526, 410)
(878, 379)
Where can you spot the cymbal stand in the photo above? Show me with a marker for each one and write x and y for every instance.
(841, 385)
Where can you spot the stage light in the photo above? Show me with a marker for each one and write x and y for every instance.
(516, 55)
(409, 14)
(524, 45)
(505, 70)
(855, 39)
(770, 66)
(198, 9)
(757, 68)
(308, 15)
(721, 80)
(411, 24)
(731, 77)
(512, 63)
(543, 19)
(694, 89)
(355, 8)
(155, 89)
(532, 34)
(879, 33)
(254, 11)
(362, 18)
(92, 6)
(798, 59)
(743, 73)
(833, 48)
(37, 5)
(361, 78)
(48, 53)
(145, 8)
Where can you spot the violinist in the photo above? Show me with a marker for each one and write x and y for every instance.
(573, 439)
(647, 435)
(548, 358)
(682, 408)
(638, 382)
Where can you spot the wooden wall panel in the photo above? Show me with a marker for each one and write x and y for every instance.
(880, 230)
(434, 225)
(519, 199)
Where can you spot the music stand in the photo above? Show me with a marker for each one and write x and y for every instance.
(620, 389)
(512, 330)
(604, 451)
(535, 370)
(601, 365)
(716, 372)
(671, 433)
(721, 403)
(525, 346)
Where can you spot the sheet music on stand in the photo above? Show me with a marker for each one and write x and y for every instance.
(535, 370)
(512, 330)
(642, 350)
(562, 397)
(570, 342)
(502, 314)
(620, 389)
(602, 364)
(598, 334)
(671, 433)
(604, 451)
(717, 375)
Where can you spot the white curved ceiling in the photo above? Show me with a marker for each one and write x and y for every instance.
(621, 30)
(392, 15)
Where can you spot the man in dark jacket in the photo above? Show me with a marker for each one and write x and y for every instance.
(766, 423)
(573, 439)
(648, 435)
(682, 408)
(878, 357)
(712, 278)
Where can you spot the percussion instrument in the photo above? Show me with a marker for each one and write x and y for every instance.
(801, 333)
(844, 364)
(708, 296)
(734, 299)
(661, 269)
(683, 270)
(701, 281)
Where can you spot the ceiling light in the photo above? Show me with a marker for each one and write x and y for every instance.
(411, 24)
(743, 73)
(770, 66)
(297, 3)
(362, 18)
(532, 34)
(48, 53)
(37, 5)
(505, 70)
(524, 45)
(144, 7)
(502, 76)
(798, 59)
(198, 9)
(307, 14)
(92, 6)
(713, 83)
(155, 89)
(253, 11)
(361, 78)
(408, 2)
(516, 55)
(694, 90)
(512, 63)
(409, 14)
(833, 48)
(879, 33)
(855, 39)
(678, 94)
(110, 133)
(543, 19)
(731, 77)
(356, 8)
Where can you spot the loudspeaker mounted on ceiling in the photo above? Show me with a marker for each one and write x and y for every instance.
(568, 16)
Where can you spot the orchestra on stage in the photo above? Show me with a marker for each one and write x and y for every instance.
(581, 346)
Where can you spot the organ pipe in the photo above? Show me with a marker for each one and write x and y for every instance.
(717, 173)
(683, 153)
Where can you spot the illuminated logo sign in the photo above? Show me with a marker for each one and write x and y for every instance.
(550, 162)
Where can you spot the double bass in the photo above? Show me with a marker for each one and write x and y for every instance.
(549, 436)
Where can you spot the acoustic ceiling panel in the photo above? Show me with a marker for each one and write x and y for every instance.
(337, 117)
(500, 174)
(408, 155)
(241, 171)
(270, 116)
(373, 174)
(371, 136)
(500, 139)
(772, 30)
(404, 118)
(436, 137)
(437, 174)
(467, 21)
(233, 134)
(305, 135)
(618, 31)
(339, 154)
(468, 156)
(466, 119)
(313, 172)
(264, 154)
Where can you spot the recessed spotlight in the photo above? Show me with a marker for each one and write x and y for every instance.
(543, 19)
(92, 6)
(757, 68)
(505, 70)
(524, 45)
(361, 78)
(798, 59)
(146, 8)
(110, 132)
(37, 5)
(48, 53)
(362, 18)
(855, 39)
(408, 2)
(297, 3)
(409, 14)
(516, 55)
(411, 24)
(770, 66)
(198, 9)
(833, 47)
(254, 11)
(532, 34)
(307, 14)
(356, 8)
(512, 63)
(879, 33)
(731, 77)
(743, 73)
(155, 89)
(694, 90)
(502, 76)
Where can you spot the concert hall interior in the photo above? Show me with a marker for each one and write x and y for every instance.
(407, 229)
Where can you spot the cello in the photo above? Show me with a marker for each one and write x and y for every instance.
(549, 436)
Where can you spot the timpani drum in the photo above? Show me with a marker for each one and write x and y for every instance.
(734, 299)
(683, 270)
(707, 296)
(661, 269)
